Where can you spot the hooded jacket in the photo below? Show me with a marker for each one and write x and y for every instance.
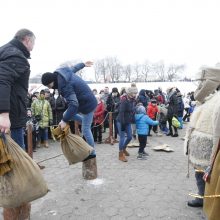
(143, 122)
(78, 95)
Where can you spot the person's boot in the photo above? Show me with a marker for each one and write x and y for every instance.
(122, 157)
(38, 144)
(175, 135)
(126, 152)
(197, 202)
(46, 144)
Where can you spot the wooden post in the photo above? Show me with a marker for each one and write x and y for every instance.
(89, 169)
(110, 139)
(29, 140)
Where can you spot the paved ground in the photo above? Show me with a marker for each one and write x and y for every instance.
(156, 188)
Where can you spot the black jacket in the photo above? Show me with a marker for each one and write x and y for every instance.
(14, 77)
(126, 111)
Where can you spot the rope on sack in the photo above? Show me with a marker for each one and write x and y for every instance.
(49, 158)
(202, 197)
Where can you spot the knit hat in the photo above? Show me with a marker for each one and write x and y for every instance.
(42, 91)
(132, 90)
(114, 89)
(140, 109)
(48, 78)
(153, 101)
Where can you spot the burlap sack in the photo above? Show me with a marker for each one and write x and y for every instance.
(212, 205)
(24, 183)
(74, 148)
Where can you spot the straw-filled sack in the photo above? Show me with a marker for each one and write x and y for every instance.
(24, 182)
(74, 148)
(212, 192)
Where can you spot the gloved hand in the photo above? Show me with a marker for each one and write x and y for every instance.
(122, 127)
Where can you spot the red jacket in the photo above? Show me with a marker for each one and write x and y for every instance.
(152, 110)
(99, 113)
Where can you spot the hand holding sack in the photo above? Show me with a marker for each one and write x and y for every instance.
(74, 148)
(24, 182)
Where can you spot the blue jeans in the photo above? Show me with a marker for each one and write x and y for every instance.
(124, 139)
(17, 134)
(43, 134)
(180, 119)
(86, 121)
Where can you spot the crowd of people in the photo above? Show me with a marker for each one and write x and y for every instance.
(135, 115)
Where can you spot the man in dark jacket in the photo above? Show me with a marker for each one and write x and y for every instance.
(78, 96)
(14, 77)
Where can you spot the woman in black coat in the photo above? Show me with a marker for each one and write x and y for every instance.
(172, 101)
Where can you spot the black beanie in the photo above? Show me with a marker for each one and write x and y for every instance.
(114, 89)
(48, 78)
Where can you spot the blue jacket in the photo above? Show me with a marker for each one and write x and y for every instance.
(143, 122)
(76, 92)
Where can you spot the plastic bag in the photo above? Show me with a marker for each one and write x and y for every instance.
(175, 122)
(24, 183)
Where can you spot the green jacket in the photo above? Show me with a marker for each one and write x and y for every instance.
(42, 107)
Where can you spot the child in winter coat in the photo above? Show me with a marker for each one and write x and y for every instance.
(163, 118)
(98, 120)
(152, 111)
(142, 125)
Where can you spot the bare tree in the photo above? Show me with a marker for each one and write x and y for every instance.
(173, 70)
(127, 70)
(100, 71)
(137, 72)
(159, 70)
(146, 68)
(113, 68)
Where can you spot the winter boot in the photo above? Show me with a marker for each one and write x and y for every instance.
(46, 144)
(122, 156)
(197, 202)
(126, 152)
(38, 144)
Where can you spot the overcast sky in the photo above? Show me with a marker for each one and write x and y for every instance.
(176, 31)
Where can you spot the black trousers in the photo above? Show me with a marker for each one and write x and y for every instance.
(142, 142)
(97, 132)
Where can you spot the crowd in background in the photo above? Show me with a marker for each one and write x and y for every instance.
(45, 109)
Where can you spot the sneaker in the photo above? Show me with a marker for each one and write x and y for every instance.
(159, 135)
(141, 156)
(145, 153)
